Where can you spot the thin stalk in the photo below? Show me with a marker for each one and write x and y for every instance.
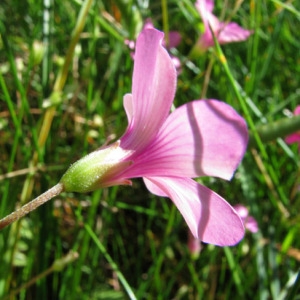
(235, 271)
(207, 78)
(281, 196)
(32, 205)
(242, 102)
(164, 8)
(106, 25)
(253, 54)
(84, 242)
(10, 106)
(24, 108)
(17, 124)
(162, 253)
(111, 262)
(288, 6)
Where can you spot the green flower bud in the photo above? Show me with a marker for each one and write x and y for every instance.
(101, 168)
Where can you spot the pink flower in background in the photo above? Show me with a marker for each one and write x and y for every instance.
(249, 222)
(174, 36)
(200, 138)
(174, 41)
(194, 245)
(294, 137)
(224, 32)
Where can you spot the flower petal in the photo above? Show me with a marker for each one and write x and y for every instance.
(174, 39)
(293, 138)
(242, 211)
(153, 90)
(128, 106)
(209, 217)
(200, 138)
(251, 224)
(232, 32)
(297, 110)
(225, 33)
(205, 8)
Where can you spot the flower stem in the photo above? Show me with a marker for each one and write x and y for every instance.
(164, 8)
(32, 205)
(277, 129)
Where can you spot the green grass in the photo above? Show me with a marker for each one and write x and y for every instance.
(123, 242)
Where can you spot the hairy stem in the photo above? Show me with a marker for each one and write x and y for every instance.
(32, 205)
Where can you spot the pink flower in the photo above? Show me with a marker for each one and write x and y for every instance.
(224, 32)
(294, 137)
(249, 222)
(200, 138)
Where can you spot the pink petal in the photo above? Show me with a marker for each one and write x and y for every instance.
(297, 110)
(251, 224)
(153, 89)
(209, 5)
(209, 217)
(148, 24)
(205, 41)
(201, 138)
(225, 33)
(128, 106)
(205, 8)
(174, 36)
(242, 211)
(293, 138)
(177, 64)
(232, 32)
(174, 39)
(194, 245)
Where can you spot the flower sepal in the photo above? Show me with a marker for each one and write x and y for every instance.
(98, 169)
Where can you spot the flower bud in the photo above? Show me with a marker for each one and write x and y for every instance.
(101, 168)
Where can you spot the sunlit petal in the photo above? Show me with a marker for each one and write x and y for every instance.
(153, 90)
(209, 217)
(200, 138)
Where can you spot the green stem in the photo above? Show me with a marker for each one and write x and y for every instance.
(237, 91)
(277, 129)
(262, 150)
(106, 25)
(111, 262)
(235, 271)
(62, 76)
(164, 8)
